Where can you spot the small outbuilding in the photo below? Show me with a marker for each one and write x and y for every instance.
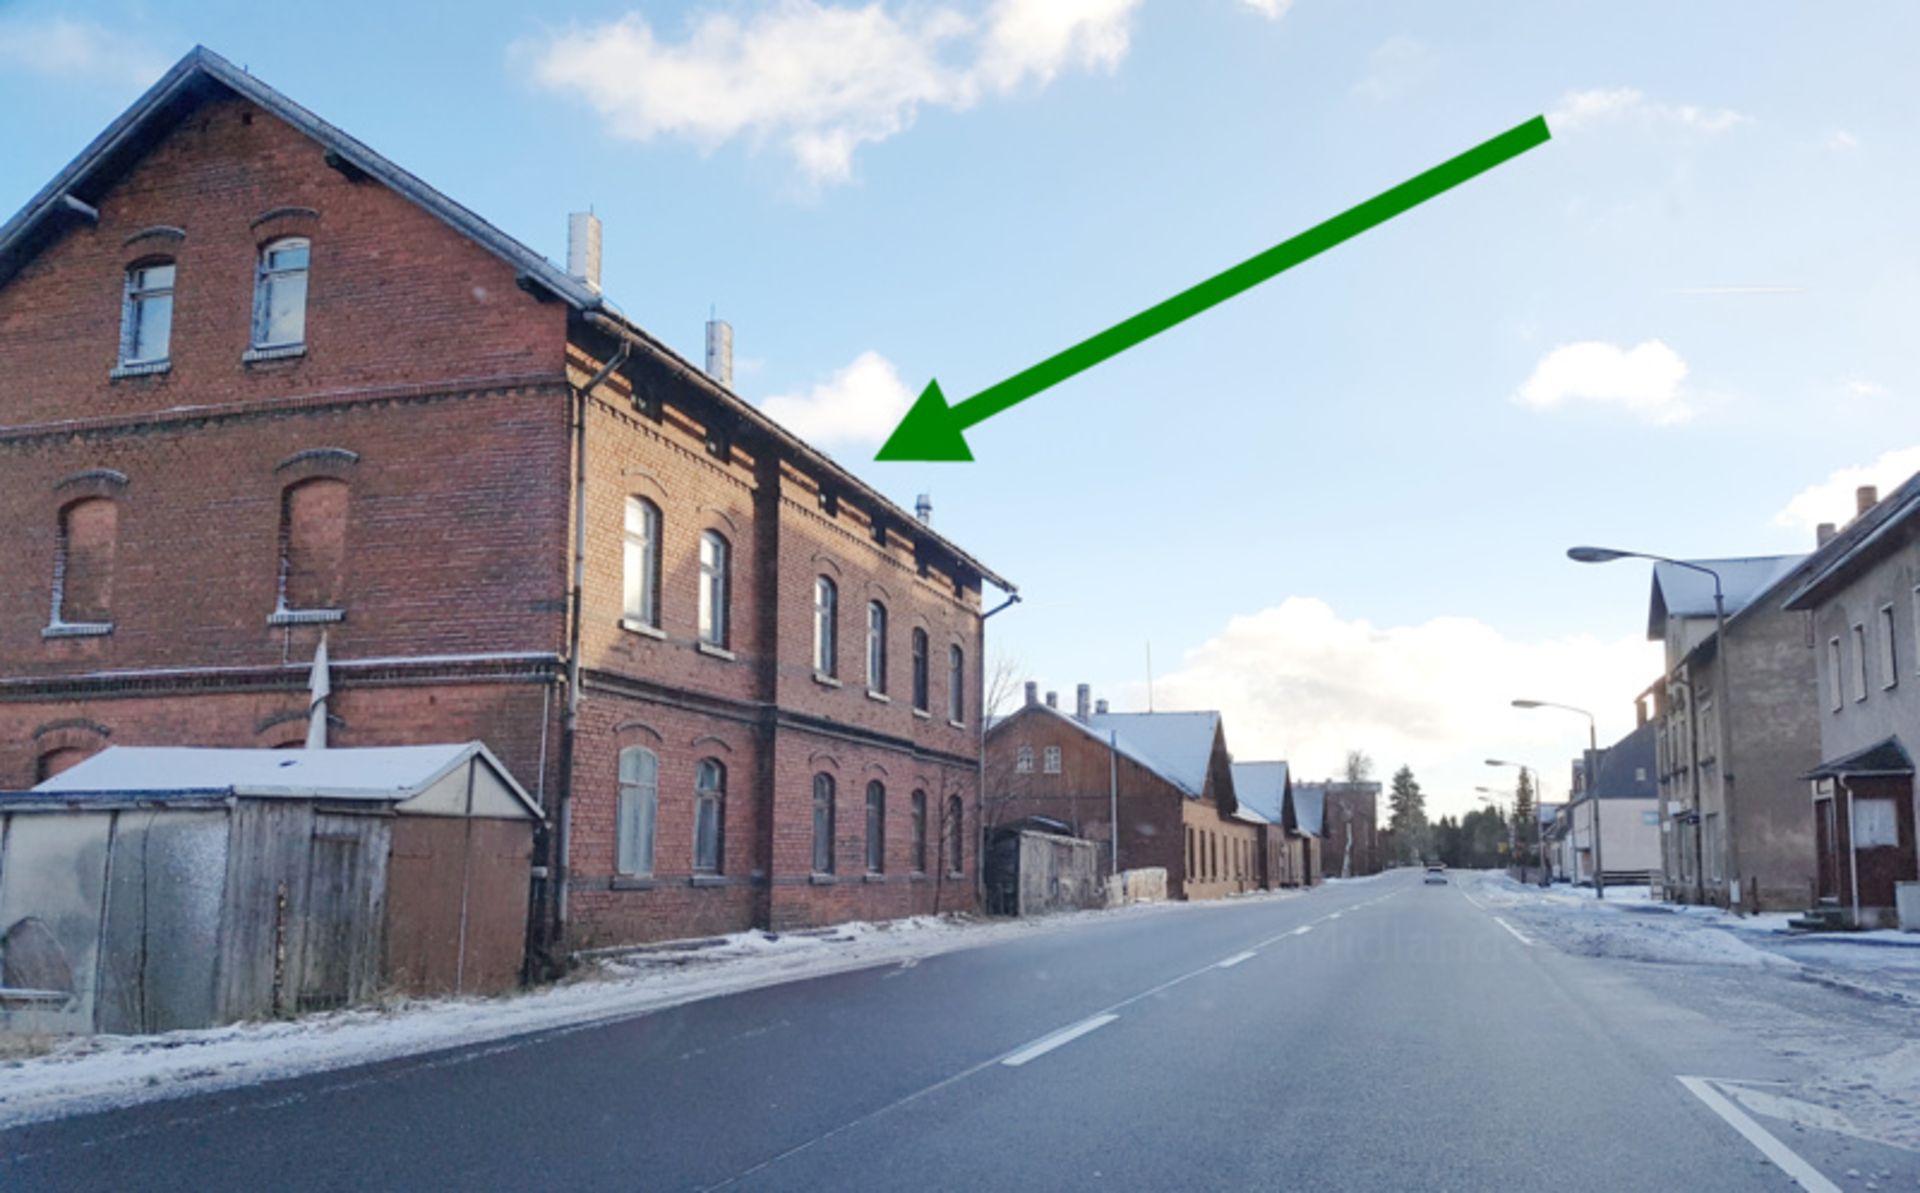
(148, 889)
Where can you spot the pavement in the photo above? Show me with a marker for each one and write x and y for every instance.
(1379, 1034)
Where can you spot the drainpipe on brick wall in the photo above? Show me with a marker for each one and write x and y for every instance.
(557, 869)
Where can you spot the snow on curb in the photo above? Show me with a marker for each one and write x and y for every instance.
(102, 1072)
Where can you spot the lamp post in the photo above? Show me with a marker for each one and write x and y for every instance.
(1539, 843)
(1593, 793)
(1722, 746)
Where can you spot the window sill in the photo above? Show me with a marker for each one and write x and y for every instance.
(640, 627)
(873, 877)
(305, 616)
(147, 368)
(918, 876)
(956, 873)
(630, 882)
(822, 879)
(881, 697)
(825, 680)
(718, 652)
(923, 714)
(272, 352)
(78, 629)
(707, 880)
(956, 724)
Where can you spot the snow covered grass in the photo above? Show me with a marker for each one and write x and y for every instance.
(98, 1072)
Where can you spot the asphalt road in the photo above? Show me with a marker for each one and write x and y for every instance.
(1371, 1035)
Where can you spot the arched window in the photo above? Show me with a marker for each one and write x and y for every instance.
(956, 685)
(715, 560)
(313, 544)
(639, 806)
(920, 696)
(876, 647)
(919, 832)
(280, 295)
(56, 760)
(876, 828)
(826, 630)
(956, 837)
(146, 316)
(83, 565)
(709, 816)
(823, 824)
(640, 563)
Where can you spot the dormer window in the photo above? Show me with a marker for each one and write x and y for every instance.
(280, 295)
(146, 322)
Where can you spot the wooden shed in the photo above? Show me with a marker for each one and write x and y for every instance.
(148, 889)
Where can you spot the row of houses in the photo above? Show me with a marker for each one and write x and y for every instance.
(1160, 791)
(1772, 766)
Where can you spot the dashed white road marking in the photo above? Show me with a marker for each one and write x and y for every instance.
(1518, 935)
(1302, 930)
(1236, 959)
(1785, 1158)
(1334, 916)
(1472, 900)
(1048, 1043)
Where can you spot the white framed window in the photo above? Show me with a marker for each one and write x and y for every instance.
(876, 647)
(639, 806)
(1859, 669)
(1836, 681)
(146, 320)
(715, 560)
(280, 294)
(826, 628)
(1889, 653)
(1023, 760)
(1876, 823)
(709, 816)
(640, 580)
(1050, 760)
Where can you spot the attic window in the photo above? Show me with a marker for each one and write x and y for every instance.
(719, 442)
(146, 322)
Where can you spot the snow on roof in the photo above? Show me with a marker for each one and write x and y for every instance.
(1177, 745)
(1684, 592)
(379, 773)
(1310, 808)
(1261, 788)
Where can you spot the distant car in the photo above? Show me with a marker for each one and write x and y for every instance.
(1436, 874)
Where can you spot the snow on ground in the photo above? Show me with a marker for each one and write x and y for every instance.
(99, 1072)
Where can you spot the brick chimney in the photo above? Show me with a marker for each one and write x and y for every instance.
(1823, 533)
(1082, 702)
(1053, 700)
(1033, 693)
(1100, 707)
(1864, 499)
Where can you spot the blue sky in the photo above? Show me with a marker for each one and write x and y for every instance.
(1338, 505)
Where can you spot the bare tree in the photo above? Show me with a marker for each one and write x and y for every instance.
(1359, 766)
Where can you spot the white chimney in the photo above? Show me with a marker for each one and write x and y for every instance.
(720, 351)
(583, 248)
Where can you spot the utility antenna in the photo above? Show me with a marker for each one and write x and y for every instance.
(1149, 675)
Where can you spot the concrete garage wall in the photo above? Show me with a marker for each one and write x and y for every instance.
(1058, 874)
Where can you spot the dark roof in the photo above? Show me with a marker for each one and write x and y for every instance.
(1860, 542)
(203, 75)
(1626, 767)
(1883, 758)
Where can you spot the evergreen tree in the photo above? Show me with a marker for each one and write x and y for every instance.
(1407, 816)
(1525, 821)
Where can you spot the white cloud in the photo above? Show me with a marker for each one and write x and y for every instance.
(1622, 105)
(1273, 10)
(1299, 682)
(1832, 499)
(1645, 379)
(81, 50)
(1840, 140)
(861, 403)
(820, 80)
(1395, 67)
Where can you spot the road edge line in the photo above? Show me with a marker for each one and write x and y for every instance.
(1784, 1158)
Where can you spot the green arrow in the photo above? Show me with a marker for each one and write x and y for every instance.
(932, 429)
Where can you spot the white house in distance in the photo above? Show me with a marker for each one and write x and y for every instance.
(1621, 811)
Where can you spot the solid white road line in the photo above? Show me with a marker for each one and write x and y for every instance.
(1472, 900)
(1806, 1175)
(1065, 1035)
(1236, 959)
(1302, 930)
(1517, 934)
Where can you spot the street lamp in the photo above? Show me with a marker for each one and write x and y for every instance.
(1593, 794)
(1539, 842)
(1725, 695)
(1492, 797)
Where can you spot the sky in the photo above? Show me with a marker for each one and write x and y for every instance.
(1335, 508)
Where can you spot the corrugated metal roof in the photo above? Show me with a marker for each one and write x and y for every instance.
(1261, 787)
(1178, 745)
(1683, 592)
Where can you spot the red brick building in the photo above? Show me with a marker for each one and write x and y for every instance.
(1171, 775)
(258, 384)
